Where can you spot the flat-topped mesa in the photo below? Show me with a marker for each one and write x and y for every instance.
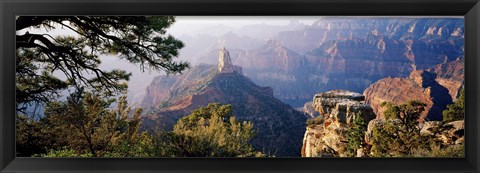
(342, 105)
(225, 62)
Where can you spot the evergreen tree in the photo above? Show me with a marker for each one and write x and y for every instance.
(356, 134)
(455, 111)
(30, 137)
(400, 133)
(141, 40)
(85, 124)
(210, 131)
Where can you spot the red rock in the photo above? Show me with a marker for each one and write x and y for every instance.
(421, 86)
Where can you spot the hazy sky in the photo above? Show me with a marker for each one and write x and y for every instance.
(192, 24)
(238, 21)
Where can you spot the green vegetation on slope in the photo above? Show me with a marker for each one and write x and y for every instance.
(356, 135)
(84, 126)
(400, 135)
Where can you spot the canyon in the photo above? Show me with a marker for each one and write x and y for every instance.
(348, 65)
(437, 87)
(278, 126)
(344, 53)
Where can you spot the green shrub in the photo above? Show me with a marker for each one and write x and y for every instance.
(356, 135)
(455, 111)
(63, 152)
(400, 134)
(210, 131)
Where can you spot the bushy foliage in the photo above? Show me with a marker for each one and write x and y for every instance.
(356, 135)
(400, 133)
(30, 136)
(85, 124)
(63, 152)
(437, 150)
(213, 131)
(455, 111)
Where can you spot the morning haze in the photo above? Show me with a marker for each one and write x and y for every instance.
(255, 86)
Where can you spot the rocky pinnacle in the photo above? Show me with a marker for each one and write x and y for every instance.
(224, 62)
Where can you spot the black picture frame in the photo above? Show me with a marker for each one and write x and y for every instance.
(470, 9)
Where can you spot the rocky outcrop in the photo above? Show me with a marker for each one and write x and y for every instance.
(278, 126)
(203, 48)
(225, 62)
(321, 141)
(341, 106)
(338, 108)
(436, 87)
(451, 133)
(163, 86)
(420, 86)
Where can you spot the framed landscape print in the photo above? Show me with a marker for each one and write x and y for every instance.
(188, 86)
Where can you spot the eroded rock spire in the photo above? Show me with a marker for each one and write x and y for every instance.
(224, 61)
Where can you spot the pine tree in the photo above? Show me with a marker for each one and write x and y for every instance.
(85, 124)
(210, 131)
(356, 134)
(141, 40)
(400, 133)
(455, 111)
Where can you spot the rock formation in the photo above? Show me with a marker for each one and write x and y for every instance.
(450, 75)
(341, 105)
(343, 28)
(351, 54)
(436, 87)
(338, 108)
(279, 127)
(345, 53)
(163, 86)
(224, 62)
(450, 133)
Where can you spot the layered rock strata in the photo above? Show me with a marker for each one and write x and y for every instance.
(337, 107)
(436, 87)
